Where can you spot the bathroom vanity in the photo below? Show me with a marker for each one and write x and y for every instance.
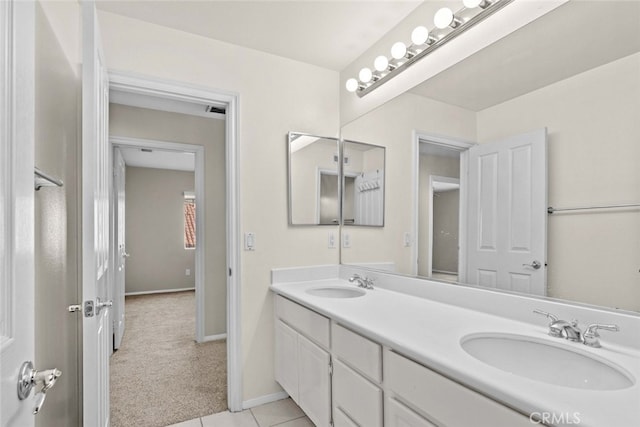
(378, 357)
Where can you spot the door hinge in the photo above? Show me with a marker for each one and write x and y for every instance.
(74, 308)
(229, 272)
(330, 368)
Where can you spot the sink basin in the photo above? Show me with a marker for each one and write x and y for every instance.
(336, 292)
(546, 361)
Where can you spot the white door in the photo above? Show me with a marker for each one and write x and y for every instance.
(17, 31)
(120, 247)
(507, 214)
(96, 336)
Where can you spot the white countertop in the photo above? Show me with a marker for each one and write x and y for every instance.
(430, 332)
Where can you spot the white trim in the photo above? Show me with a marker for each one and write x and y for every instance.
(130, 82)
(161, 291)
(218, 337)
(268, 398)
(450, 143)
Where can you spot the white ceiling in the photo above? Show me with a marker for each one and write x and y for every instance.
(163, 104)
(576, 37)
(159, 159)
(327, 33)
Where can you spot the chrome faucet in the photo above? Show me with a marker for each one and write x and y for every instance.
(363, 282)
(570, 330)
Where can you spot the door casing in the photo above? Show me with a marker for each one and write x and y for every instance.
(179, 91)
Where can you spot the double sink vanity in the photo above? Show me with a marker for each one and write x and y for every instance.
(386, 350)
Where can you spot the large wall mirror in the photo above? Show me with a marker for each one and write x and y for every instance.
(314, 196)
(569, 96)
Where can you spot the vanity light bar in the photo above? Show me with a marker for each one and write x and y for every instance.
(448, 25)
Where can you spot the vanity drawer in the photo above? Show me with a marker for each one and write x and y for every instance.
(356, 396)
(444, 400)
(307, 322)
(398, 415)
(363, 355)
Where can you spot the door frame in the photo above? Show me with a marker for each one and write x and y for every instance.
(180, 91)
(450, 143)
(199, 186)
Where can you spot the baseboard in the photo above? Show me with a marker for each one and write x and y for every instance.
(163, 291)
(214, 337)
(251, 403)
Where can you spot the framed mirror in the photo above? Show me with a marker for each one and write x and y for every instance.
(553, 73)
(363, 184)
(314, 194)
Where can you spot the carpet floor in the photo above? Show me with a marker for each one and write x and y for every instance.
(160, 375)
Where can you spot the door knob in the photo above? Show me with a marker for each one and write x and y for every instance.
(29, 377)
(125, 255)
(102, 304)
(535, 265)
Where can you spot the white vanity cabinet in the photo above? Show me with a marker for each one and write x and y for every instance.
(302, 361)
(357, 374)
(438, 399)
(335, 374)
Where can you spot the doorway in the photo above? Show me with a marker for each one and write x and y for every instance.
(175, 97)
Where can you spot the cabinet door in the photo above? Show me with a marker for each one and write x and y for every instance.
(287, 359)
(356, 396)
(314, 383)
(398, 415)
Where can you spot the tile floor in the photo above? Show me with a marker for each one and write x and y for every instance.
(283, 413)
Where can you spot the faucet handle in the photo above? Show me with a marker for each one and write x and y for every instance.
(591, 335)
(553, 317)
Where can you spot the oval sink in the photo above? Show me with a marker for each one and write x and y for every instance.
(336, 292)
(541, 360)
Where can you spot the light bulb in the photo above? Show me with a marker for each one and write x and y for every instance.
(398, 50)
(470, 4)
(381, 63)
(352, 85)
(365, 75)
(420, 35)
(443, 18)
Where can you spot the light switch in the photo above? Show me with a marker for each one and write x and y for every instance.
(407, 239)
(249, 241)
(187, 272)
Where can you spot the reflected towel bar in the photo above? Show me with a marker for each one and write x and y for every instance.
(551, 209)
(45, 180)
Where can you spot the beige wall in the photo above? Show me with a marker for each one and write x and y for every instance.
(210, 133)
(430, 165)
(57, 224)
(276, 95)
(392, 126)
(593, 153)
(154, 230)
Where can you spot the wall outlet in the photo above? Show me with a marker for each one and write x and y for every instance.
(332, 240)
(187, 272)
(346, 240)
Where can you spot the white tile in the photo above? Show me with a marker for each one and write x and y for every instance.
(191, 423)
(230, 419)
(277, 412)
(298, 422)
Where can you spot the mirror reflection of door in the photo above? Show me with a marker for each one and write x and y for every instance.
(328, 198)
(438, 225)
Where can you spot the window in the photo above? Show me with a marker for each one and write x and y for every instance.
(189, 220)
